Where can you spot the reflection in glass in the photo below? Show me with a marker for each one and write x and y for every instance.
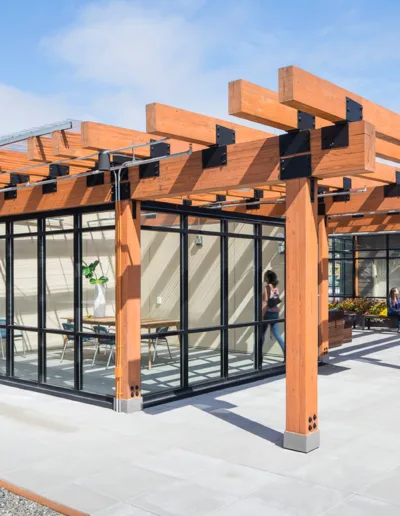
(26, 355)
(241, 350)
(204, 357)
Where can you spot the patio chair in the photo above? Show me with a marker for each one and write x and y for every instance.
(160, 339)
(109, 340)
(3, 336)
(70, 338)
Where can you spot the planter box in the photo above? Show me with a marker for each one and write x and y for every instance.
(336, 328)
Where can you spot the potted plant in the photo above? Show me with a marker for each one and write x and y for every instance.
(89, 271)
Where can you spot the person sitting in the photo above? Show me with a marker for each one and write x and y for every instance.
(394, 306)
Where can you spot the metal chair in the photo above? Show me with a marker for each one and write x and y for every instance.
(157, 340)
(70, 338)
(3, 336)
(109, 340)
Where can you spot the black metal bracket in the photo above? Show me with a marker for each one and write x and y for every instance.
(393, 190)
(187, 202)
(217, 155)
(313, 182)
(224, 135)
(295, 167)
(305, 121)
(57, 170)
(95, 180)
(16, 179)
(12, 194)
(354, 110)
(335, 136)
(321, 208)
(220, 198)
(347, 183)
(258, 194)
(116, 161)
(160, 150)
(124, 191)
(49, 187)
(250, 204)
(147, 170)
(323, 189)
(294, 142)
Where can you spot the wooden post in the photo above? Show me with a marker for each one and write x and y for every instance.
(323, 294)
(127, 243)
(302, 433)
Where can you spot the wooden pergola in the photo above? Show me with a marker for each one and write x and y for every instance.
(321, 174)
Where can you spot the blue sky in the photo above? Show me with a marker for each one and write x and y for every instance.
(105, 59)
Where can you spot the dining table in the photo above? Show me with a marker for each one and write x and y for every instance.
(147, 323)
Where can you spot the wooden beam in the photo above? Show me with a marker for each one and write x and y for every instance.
(252, 102)
(305, 91)
(41, 149)
(66, 144)
(192, 127)
(323, 286)
(373, 200)
(253, 163)
(128, 331)
(302, 426)
(384, 174)
(368, 223)
(105, 137)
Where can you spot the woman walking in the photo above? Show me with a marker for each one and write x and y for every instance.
(270, 310)
(394, 306)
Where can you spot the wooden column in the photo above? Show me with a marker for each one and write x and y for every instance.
(127, 243)
(302, 433)
(323, 294)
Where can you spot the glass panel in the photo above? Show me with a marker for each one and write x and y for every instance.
(273, 259)
(60, 360)
(161, 362)
(273, 231)
(372, 254)
(240, 228)
(59, 223)
(2, 229)
(25, 226)
(371, 278)
(394, 274)
(2, 306)
(26, 355)
(160, 277)
(99, 299)
(204, 357)
(371, 242)
(204, 281)
(98, 219)
(241, 350)
(272, 351)
(59, 279)
(204, 224)
(348, 278)
(394, 241)
(99, 361)
(151, 218)
(241, 280)
(25, 281)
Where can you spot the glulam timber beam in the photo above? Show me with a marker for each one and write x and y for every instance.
(257, 104)
(67, 144)
(307, 92)
(369, 223)
(384, 174)
(40, 149)
(373, 200)
(192, 127)
(252, 102)
(253, 163)
(106, 137)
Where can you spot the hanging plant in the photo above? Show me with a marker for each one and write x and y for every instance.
(89, 271)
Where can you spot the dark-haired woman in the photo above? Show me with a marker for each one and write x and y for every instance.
(394, 306)
(270, 302)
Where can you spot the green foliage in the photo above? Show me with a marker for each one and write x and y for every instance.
(361, 305)
(89, 271)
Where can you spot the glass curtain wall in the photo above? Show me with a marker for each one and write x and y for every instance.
(364, 266)
(201, 291)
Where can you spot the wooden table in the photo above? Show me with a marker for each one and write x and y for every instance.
(144, 323)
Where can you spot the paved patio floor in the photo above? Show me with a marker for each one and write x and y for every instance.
(218, 454)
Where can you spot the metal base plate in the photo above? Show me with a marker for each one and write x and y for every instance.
(128, 406)
(301, 443)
